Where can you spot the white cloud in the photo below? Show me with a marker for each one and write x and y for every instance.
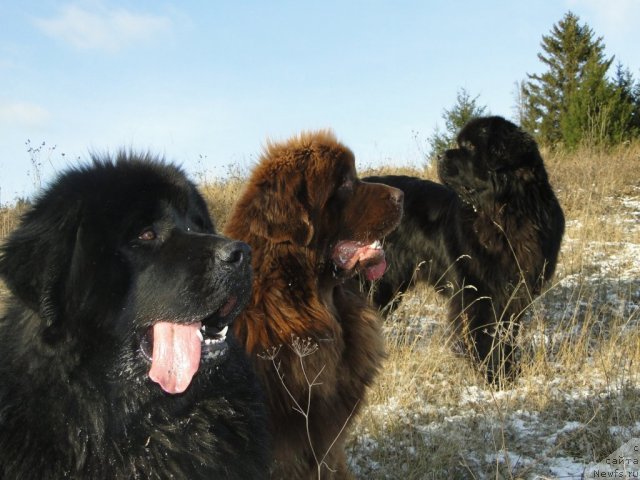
(102, 28)
(22, 114)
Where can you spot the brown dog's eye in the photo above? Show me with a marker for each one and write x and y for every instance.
(347, 185)
(147, 235)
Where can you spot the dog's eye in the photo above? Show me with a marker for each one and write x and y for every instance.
(147, 235)
(199, 223)
(468, 147)
(346, 185)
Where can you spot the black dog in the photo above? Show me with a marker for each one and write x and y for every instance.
(116, 360)
(489, 237)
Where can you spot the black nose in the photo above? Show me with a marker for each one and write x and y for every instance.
(233, 253)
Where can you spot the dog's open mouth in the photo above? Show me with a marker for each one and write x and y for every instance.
(176, 350)
(349, 255)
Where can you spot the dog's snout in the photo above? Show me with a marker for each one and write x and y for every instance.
(233, 253)
(397, 196)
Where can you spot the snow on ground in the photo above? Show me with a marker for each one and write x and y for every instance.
(534, 444)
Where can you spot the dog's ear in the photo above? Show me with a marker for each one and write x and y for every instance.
(277, 210)
(49, 264)
(96, 276)
(34, 260)
(509, 146)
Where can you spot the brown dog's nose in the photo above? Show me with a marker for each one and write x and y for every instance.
(396, 195)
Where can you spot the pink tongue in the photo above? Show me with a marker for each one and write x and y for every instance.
(376, 271)
(347, 254)
(176, 355)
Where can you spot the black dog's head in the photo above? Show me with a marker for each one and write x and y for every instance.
(119, 262)
(493, 157)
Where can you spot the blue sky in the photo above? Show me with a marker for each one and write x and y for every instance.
(206, 83)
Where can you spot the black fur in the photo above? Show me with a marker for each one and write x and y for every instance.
(104, 253)
(489, 237)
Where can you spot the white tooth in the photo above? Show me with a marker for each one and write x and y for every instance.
(223, 332)
(199, 333)
(376, 244)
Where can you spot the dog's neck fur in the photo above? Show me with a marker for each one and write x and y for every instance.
(278, 296)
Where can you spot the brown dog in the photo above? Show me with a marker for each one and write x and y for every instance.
(316, 346)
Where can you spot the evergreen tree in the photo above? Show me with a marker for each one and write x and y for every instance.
(629, 93)
(464, 110)
(568, 50)
(589, 108)
(636, 108)
(601, 111)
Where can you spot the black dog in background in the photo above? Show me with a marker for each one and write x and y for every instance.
(116, 357)
(489, 237)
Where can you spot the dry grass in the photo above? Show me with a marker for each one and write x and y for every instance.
(430, 415)
(220, 197)
(9, 217)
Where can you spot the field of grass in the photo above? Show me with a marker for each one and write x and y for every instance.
(431, 416)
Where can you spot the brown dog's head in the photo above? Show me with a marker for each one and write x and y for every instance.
(306, 193)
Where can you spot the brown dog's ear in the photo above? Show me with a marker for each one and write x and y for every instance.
(276, 210)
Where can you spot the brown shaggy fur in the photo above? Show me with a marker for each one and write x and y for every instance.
(301, 200)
